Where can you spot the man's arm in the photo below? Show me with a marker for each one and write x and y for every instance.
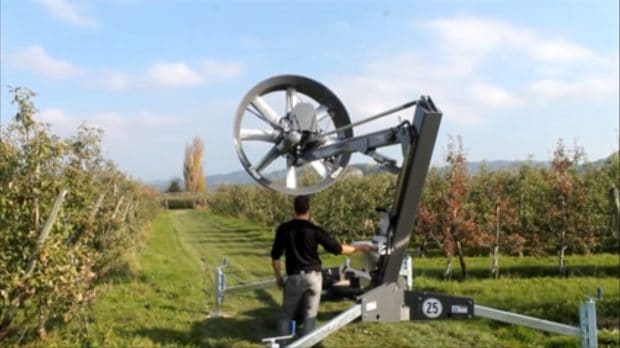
(333, 246)
(350, 249)
(277, 249)
(277, 271)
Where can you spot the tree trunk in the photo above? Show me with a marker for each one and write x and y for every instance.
(447, 273)
(5, 327)
(459, 250)
(495, 262)
(562, 260)
(495, 254)
(41, 331)
(586, 249)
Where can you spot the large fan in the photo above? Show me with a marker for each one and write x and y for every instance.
(280, 120)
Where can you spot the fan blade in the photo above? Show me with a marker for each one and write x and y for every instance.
(266, 112)
(322, 112)
(268, 135)
(291, 177)
(319, 167)
(291, 99)
(269, 157)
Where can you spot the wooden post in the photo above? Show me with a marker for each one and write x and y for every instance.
(45, 231)
(118, 206)
(129, 206)
(19, 295)
(95, 210)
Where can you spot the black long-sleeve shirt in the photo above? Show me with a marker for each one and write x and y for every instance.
(299, 240)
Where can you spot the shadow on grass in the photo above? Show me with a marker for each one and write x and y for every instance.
(177, 309)
(120, 274)
(244, 252)
(250, 326)
(230, 241)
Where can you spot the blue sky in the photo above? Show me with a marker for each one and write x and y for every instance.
(511, 77)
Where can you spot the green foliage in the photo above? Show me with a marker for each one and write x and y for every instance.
(180, 203)
(50, 277)
(175, 186)
(165, 302)
(522, 211)
(346, 208)
(598, 266)
(603, 202)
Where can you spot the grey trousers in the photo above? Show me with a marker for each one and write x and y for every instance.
(302, 294)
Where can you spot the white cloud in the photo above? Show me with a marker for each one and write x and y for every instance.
(120, 124)
(112, 122)
(35, 58)
(155, 119)
(69, 12)
(560, 51)
(487, 94)
(389, 81)
(61, 123)
(214, 70)
(591, 88)
(116, 80)
(125, 133)
(460, 71)
(52, 116)
(118, 127)
(172, 74)
(475, 34)
(478, 37)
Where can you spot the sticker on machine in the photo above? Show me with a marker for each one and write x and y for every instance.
(459, 309)
(432, 308)
(371, 306)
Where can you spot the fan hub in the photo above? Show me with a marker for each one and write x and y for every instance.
(304, 118)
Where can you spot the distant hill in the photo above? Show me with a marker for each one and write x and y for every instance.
(474, 167)
(240, 177)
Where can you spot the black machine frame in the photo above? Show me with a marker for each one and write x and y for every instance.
(387, 298)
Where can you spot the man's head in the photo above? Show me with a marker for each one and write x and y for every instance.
(301, 205)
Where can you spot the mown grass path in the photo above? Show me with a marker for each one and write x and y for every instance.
(166, 299)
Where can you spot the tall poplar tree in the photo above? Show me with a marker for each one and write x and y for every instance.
(193, 173)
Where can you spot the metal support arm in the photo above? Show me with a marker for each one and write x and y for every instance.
(333, 325)
(363, 143)
(587, 330)
(425, 127)
(524, 320)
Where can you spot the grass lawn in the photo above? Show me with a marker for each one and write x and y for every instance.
(165, 297)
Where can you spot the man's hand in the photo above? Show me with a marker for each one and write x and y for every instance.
(277, 269)
(365, 248)
(362, 247)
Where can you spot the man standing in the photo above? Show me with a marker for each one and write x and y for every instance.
(298, 239)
